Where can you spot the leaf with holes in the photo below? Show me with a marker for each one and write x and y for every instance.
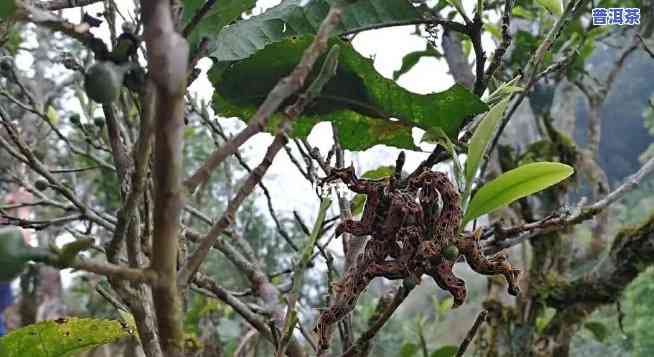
(301, 17)
(366, 108)
(515, 184)
(61, 338)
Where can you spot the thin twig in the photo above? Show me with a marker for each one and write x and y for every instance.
(228, 217)
(197, 17)
(645, 47)
(532, 68)
(481, 318)
(283, 90)
(504, 45)
(362, 342)
(554, 223)
(298, 277)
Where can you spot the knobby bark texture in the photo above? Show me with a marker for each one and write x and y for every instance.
(167, 64)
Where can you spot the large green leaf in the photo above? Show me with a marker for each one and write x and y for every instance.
(61, 338)
(290, 18)
(482, 136)
(367, 108)
(515, 184)
(222, 13)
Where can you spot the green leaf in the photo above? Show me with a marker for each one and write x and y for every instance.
(505, 90)
(515, 184)
(438, 136)
(444, 306)
(221, 14)
(291, 19)
(599, 331)
(481, 137)
(519, 11)
(379, 173)
(494, 30)
(408, 349)
(60, 338)
(525, 44)
(411, 59)
(544, 319)
(7, 8)
(359, 200)
(553, 6)
(367, 108)
(445, 351)
(357, 204)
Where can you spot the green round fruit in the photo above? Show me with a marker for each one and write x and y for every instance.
(41, 185)
(451, 252)
(102, 82)
(75, 119)
(99, 122)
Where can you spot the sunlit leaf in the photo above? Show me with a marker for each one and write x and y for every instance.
(515, 184)
(519, 11)
(61, 338)
(444, 306)
(553, 6)
(482, 136)
(359, 200)
(366, 108)
(379, 173)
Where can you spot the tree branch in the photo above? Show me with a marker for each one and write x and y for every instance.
(559, 222)
(481, 318)
(283, 90)
(361, 344)
(631, 253)
(168, 55)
